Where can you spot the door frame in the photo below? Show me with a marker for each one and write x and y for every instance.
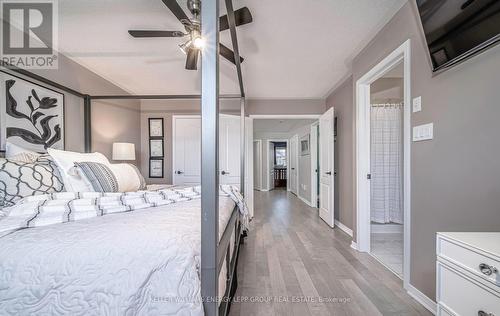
(401, 54)
(268, 141)
(259, 141)
(283, 117)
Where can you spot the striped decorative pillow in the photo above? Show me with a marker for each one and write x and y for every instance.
(99, 176)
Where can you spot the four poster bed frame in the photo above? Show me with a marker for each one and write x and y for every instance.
(213, 252)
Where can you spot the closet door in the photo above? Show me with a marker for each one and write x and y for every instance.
(326, 164)
(229, 149)
(186, 150)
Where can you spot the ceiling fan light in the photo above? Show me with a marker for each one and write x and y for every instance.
(199, 42)
(184, 47)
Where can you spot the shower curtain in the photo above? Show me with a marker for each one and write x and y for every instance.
(386, 163)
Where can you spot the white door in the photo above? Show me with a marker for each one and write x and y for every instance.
(270, 166)
(294, 143)
(229, 149)
(326, 164)
(186, 150)
(257, 165)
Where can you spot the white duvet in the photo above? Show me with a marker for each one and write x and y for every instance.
(143, 262)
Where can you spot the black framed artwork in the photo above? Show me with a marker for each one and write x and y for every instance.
(156, 149)
(156, 128)
(31, 115)
(156, 168)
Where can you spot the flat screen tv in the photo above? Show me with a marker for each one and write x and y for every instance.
(458, 29)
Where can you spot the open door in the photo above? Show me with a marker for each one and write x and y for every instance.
(326, 163)
(270, 165)
(294, 144)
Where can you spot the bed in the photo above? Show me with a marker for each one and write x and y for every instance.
(143, 261)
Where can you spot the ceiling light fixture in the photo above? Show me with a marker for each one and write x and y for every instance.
(184, 47)
(199, 42)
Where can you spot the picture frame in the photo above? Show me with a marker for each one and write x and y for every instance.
(27, 109)
(304, 145)
(156, 127)
(156, 148)
(156, 168)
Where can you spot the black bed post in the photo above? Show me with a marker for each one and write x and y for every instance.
(87, 122)
(210, 156)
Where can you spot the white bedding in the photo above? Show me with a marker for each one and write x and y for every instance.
(144, 262)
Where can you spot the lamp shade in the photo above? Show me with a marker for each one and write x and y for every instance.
(123, 151)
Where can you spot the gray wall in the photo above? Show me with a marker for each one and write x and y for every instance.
(455, 177)
(111, 121)
(342, 100)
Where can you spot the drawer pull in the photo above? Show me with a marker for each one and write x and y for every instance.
(486, 269)
(483, 313)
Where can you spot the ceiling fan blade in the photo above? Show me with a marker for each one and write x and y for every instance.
(192, 59)
(145, 33)
(241, 16)
(177, 11)
(228, 54)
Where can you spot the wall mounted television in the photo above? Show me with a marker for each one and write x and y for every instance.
(458, 29)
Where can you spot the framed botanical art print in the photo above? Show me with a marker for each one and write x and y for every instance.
(156, 168)
(304, 145)
(31, 116)
(155, 127)
(156, 148)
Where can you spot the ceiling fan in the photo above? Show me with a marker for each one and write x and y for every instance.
(192, 28)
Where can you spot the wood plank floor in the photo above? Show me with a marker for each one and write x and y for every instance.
(291, 259)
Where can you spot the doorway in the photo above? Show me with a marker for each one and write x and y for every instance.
(383, 162)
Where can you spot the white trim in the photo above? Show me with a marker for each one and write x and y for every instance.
(304, 200)
(284, 116)
(420, 297)
(402, 53)
(259, 141)
(354, 245)
(314, 163)
(343, 227)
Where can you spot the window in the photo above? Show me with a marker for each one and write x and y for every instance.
(280, 156)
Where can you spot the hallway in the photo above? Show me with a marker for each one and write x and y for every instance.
(291, 259)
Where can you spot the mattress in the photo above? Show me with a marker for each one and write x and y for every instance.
(144, 262)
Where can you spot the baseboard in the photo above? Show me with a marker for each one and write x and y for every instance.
(344, 228)
(304, 200)
(420, 297)
(354, 245)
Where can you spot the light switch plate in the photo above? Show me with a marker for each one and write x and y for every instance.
(423, 132)
(417, 104)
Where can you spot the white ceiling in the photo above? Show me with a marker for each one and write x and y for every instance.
(293, 48)
(279, 126)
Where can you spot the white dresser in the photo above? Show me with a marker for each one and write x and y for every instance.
(468, 274)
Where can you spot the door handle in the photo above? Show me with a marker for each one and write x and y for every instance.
(179, 172)
(293, 168)
(329, 173)
(224, 172)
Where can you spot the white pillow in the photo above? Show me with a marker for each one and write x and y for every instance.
(128, 176)
(12, 150)
(65, 161)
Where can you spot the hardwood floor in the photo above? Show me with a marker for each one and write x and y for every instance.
(291, 259)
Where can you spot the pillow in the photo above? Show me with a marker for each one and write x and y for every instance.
(65, 161)
(129, 177)
(19, 179)
(99, 176)
(18, 153)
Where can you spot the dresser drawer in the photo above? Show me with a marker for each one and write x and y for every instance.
(463, 296)
(470, 260)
